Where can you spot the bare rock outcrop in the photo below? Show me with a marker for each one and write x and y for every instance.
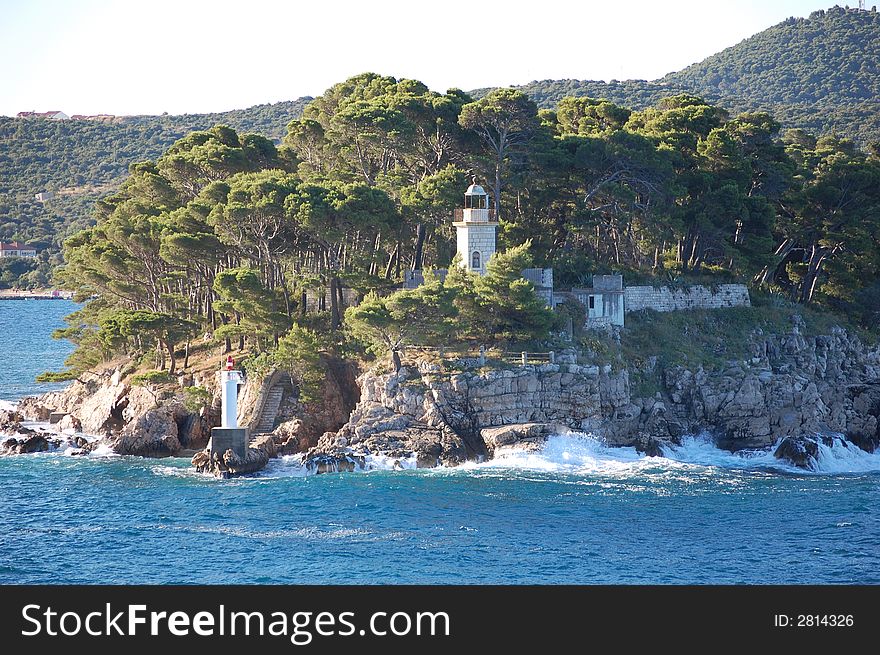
(132, 420)
(151, 434)
(10, 421)
(790, 386)
(228, 464)
(35, 443)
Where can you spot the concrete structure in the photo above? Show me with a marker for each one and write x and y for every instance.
(542, 279)
(44, 196)
(604, 301)
(16, 249)
(670, 299)
(229, 436)
(475, 230)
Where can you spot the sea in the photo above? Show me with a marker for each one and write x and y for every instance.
(575, 512)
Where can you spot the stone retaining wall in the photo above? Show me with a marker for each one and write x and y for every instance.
(668, 299)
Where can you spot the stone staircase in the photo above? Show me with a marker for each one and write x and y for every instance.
(269, 413)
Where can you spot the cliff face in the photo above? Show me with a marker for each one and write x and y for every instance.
(790, 386)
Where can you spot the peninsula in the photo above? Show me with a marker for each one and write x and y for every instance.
(315, 266)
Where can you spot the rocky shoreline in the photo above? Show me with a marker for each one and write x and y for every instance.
(790, 394)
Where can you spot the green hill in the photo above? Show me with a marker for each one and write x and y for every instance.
(635, 94)
(81, 160)
(820, 73)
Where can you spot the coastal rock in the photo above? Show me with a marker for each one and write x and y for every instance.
(429, 446)
(266, 443)
(339, 463)
(194, 429)
(10, 421)
(802, 452)
(35, 443)
(34, 408)
(69, 423)
(648, 445)
(229, 464)
(98, 403)
(863, 417)
(788, 386)
(153, 434)
(293, 437)
(517, 433)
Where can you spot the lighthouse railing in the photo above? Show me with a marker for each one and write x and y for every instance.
(460, 215)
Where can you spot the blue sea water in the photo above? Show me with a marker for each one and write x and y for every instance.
(576, 512)
(26, 346)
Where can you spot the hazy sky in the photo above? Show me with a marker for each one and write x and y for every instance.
(194, 56)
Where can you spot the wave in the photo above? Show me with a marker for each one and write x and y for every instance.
(569, 453)
(840, 456)
(586, 454)
(294, 466)
(7, 405)
(581, 454)
(845, 457)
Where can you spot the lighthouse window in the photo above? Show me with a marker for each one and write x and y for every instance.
(592, 302)
(475, 202)
(475, 260)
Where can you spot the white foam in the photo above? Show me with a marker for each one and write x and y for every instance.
(585, 454)
(386, 463)
(103, 451)
(293, 466)
(845, 457)
(701, 450)
(570, 452)
(7, 405)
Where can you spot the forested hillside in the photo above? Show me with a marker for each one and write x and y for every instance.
(820, 73)
(82, 160)
(637, 94)
(226, 234)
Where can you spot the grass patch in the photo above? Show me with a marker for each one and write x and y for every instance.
(713, 337)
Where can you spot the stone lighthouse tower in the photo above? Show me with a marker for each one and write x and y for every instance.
(475, 229)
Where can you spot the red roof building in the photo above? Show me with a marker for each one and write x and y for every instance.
(16, 249)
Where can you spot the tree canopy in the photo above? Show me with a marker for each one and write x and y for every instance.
(232, 237)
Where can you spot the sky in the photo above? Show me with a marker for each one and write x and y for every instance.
(194, 56)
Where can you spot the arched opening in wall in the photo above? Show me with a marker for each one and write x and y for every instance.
(475, 260)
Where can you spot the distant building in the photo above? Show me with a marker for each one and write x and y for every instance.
(53, 115)
(44, 196)
(16, 249)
